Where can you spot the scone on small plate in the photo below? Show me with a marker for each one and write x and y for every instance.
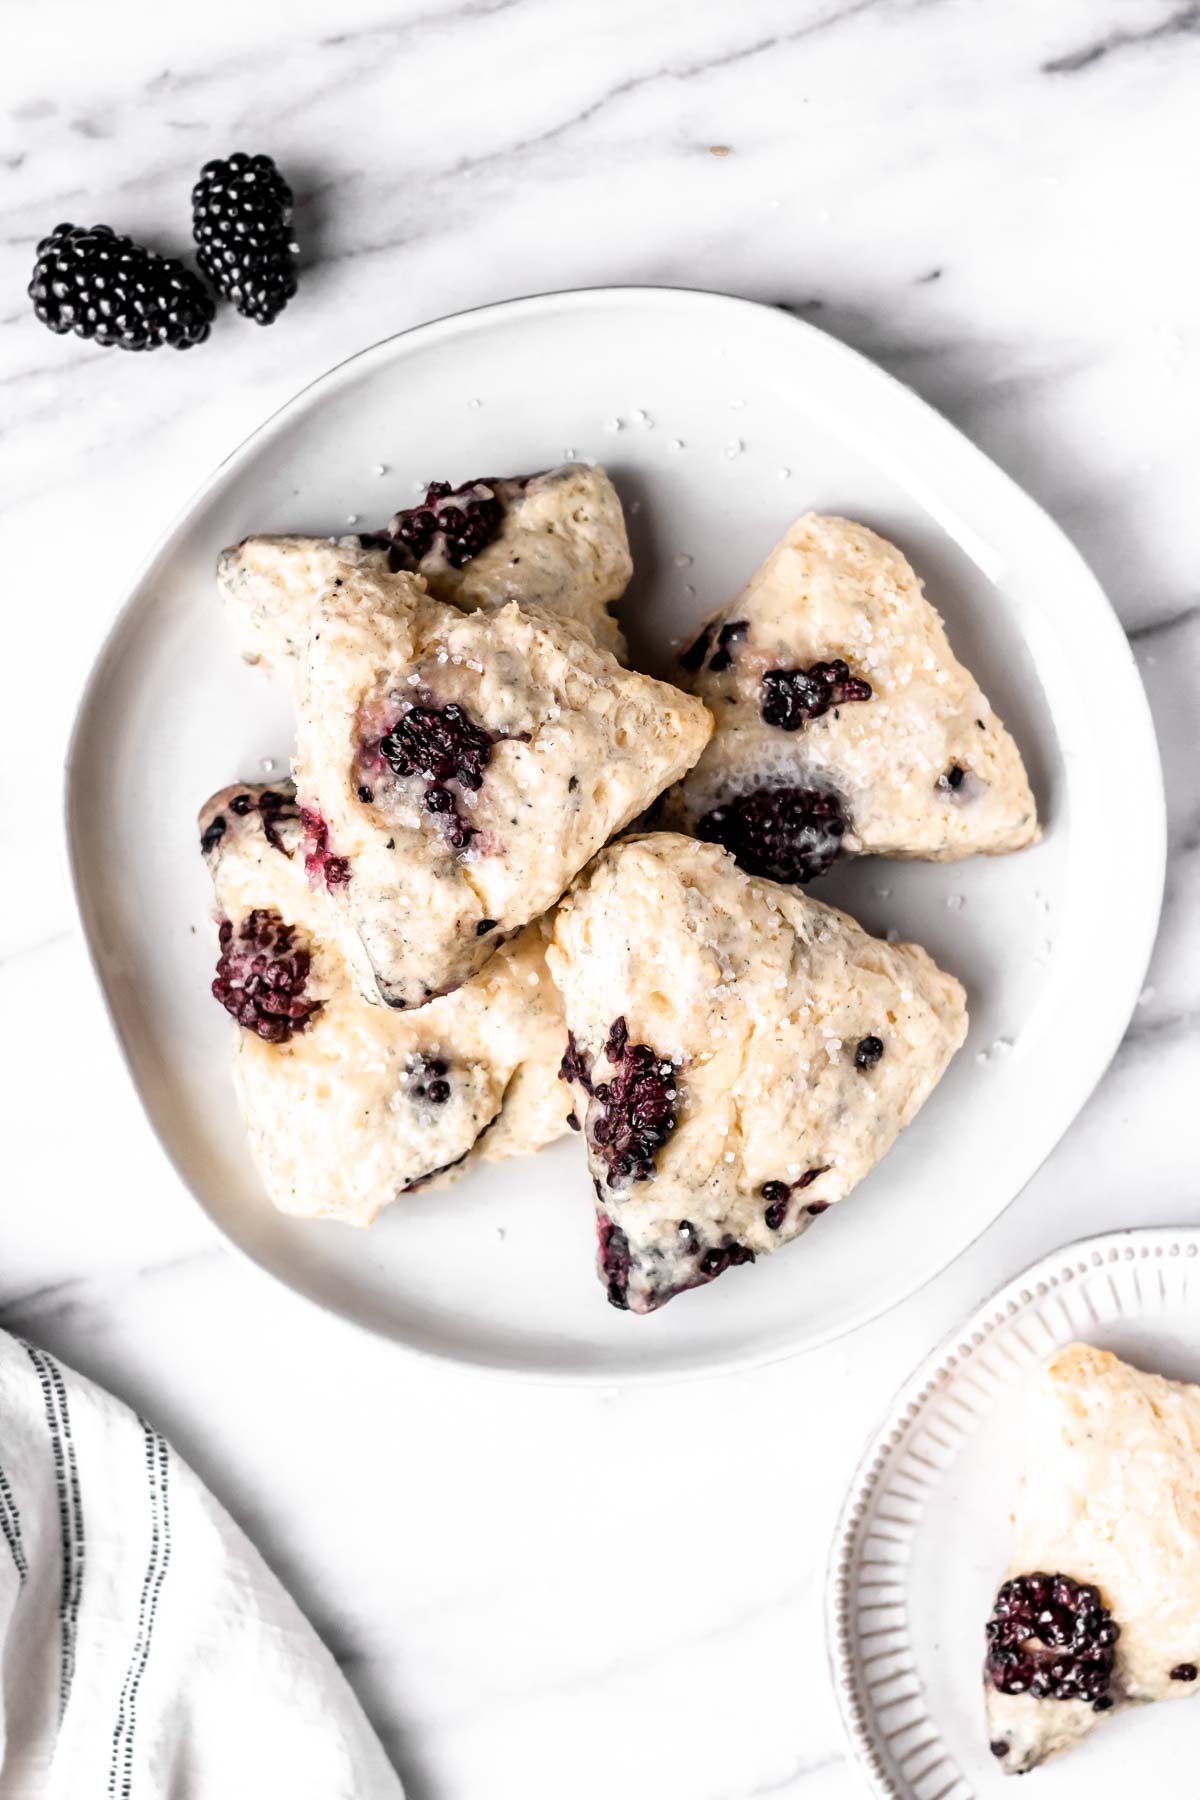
(350, 1105)
(844, 722)
(555, 540)
(1101, 1604)
(740, 1056)
(457, 770)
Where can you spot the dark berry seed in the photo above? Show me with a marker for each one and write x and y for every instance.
(365, 795)
(466, 519)
(1184, 1672)
(868, 1052)
(242, 223)
(697, 650)
(791, 697)
(115, 291)
(573, 1121)
(618, 1037)
(241, 804)
(727, 637)
(817, 1207)
(686, 1230)
(955, 776)
(483, 926)
(784, 833)
(262, 974)
(212, 834)
(1052, 1637)
(999, 1748)
(438, 1091)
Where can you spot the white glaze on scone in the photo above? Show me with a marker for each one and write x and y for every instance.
(580, 747)
(759, 998)
(561, 545)
(1110, 1496)
(830, 590)
(337, 1125)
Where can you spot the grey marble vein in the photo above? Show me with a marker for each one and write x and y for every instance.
(1184, 21)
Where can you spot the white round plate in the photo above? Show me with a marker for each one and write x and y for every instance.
(923, 1538)
(733, 418)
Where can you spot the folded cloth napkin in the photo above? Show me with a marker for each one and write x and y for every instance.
(146, 1651)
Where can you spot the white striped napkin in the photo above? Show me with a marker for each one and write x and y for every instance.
(146, 1651)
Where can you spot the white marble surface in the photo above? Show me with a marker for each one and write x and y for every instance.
(540, 1593)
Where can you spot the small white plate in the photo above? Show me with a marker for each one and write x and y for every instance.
(923, 1538)
(721, 421)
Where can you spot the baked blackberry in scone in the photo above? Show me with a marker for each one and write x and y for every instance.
(555, 540)
(844, 722)
(457, 770)
(740, 1056)
(1101, 1604)
(349, 1105)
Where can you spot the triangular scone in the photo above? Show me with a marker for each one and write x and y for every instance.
(349, 1105)
(555, 540)
(844, 722)
(457, 770)
(740, 1057)
(1101, 1604)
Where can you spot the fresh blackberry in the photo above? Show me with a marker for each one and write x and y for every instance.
(791, 697)
(262, 974)
(1053, 1637)
(440, 744)
(784, 833)
(466, 518)
(242, 221)
(632, 1116)
(110, 289)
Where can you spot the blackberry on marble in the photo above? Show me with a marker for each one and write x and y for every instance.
(112, 291)
(242, 224)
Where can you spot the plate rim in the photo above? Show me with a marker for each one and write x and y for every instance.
(1151, 869)
(1080, 1256)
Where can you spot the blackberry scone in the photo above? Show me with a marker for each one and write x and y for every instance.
(739, 1055)
(555, 540)
(1101, 1604)
(844, 722)
(457, 770)
(350, 1105)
